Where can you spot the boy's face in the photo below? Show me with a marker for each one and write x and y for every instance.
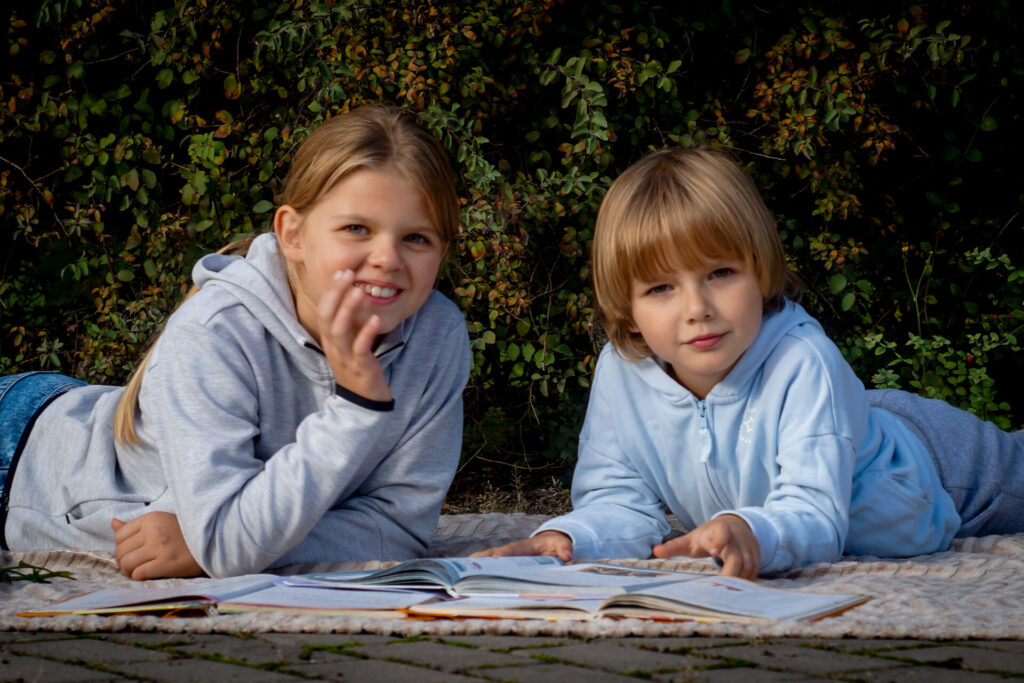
(700, 321)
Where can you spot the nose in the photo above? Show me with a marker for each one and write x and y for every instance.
(697, 305)
(385, 254)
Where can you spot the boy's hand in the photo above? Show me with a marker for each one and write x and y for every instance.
(727, 538)
(545, 543)
(152, 547)
(348, 342)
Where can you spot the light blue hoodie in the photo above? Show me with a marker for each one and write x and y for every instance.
(786, 441)
(244, 436)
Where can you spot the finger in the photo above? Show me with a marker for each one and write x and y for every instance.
(129, 545)
(130, 562)
(365, 339)
(684, 545)
(564, 553)
(344, 325)
(147, 570)
(124, 530)
(331, 300)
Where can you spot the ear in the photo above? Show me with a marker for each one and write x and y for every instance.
(288, 228)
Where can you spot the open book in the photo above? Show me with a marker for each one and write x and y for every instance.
(250, 593)
(700, 598)
(492, 587)
(513, 576)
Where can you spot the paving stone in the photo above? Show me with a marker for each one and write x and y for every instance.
(553, 673)
(446, 657)
(968, 658)
(1002, 645)
(202, 671)
(746, 675)
(150, 639)
(22, 637)
(89, 651)
(509, 643)
(920, 674)
(328, 639)
(851, 645)
(673, 644)
(248, 650)
(374, 670)
(793, 658)
(15, 668)
(616, 657)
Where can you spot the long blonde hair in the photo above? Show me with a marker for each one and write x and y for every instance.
(369, 137)
(678, 209)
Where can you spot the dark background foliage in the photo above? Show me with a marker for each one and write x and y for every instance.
(137, 135)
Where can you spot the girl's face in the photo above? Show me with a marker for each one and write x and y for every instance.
(699, 321)
(376, 224)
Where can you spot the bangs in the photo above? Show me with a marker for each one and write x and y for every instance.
(668, 231)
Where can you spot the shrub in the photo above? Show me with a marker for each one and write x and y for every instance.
(136, 136)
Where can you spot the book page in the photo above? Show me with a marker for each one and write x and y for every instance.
(206, 591)
(437, 572)
(731, 596)
(592, 580)
(330, 600)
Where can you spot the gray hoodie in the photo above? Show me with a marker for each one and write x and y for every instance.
(244, 436)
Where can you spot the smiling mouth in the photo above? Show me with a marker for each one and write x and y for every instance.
(378, 292)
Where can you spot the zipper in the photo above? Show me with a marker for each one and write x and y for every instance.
(706, 443)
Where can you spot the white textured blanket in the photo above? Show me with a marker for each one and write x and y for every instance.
(974, 590)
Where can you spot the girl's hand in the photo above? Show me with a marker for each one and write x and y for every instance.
(152, 547)
(348, 342)
(545, 543)
(727, 538)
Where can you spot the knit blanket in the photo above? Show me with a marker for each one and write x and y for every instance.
(973, 590)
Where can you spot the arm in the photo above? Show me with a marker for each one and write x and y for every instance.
(822, 420)
(240, 513)
(617, 511)
(396, 508)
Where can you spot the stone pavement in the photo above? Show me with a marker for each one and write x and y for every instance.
(277, 657)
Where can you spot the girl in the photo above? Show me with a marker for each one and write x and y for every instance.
(722, 400)
(305, 404)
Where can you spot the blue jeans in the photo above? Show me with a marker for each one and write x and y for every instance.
(22, 398)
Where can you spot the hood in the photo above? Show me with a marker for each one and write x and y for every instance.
(774, 328)
(260, 283)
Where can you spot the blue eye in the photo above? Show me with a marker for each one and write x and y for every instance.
(658, 289)
(356, 229)
(720, 272)
(417, 238)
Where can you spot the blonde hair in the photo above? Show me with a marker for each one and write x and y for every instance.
(369, 137)
(679, 209)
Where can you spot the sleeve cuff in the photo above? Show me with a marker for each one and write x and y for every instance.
(362, 402)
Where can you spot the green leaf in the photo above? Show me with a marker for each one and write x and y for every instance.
(262, 206)
(164, 78)
(848, 301)
(837, 283)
